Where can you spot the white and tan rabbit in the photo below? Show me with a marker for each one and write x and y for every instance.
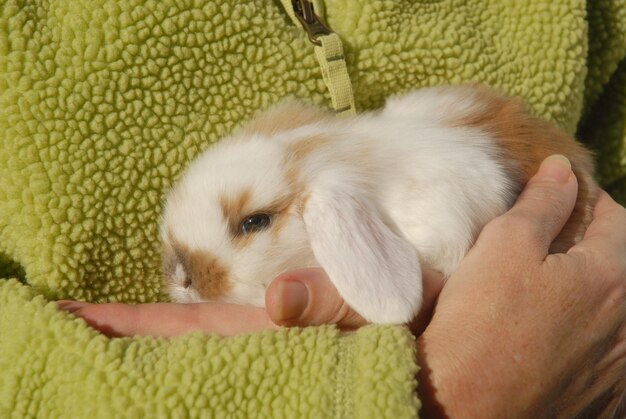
(369, 198)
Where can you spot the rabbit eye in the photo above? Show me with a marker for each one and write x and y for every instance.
(254, 223)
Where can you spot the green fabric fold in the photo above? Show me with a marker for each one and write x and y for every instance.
(61, 368)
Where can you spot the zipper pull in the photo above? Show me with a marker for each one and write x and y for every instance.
(304, 11)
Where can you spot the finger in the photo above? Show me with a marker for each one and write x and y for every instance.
(167, 320)
(604, 244)
(607, 231)
(307, 298)
(542, 208)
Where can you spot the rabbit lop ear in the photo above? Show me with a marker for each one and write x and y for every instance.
(375, 271)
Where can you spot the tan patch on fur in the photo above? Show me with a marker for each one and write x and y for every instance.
(303, 148)
(301, 202)
(209, 277)
(205, 273)
(285, 116)
(528, 140)
(234, 208)
(296, 154)
(280, 212)
(169, 261)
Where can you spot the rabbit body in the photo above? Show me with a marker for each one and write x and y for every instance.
(371, 199)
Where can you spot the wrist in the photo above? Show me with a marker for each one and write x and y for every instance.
(462, 377)
(440, 379)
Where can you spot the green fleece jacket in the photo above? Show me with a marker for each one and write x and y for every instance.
(103, 103)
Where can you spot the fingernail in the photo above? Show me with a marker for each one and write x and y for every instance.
(556, 168)
(70, 306)
(293, 300)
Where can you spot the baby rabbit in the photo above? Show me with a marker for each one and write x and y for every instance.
(371, 198)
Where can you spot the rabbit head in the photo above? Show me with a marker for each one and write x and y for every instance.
(232, 224)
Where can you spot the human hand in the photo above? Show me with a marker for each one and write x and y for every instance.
(298, 298)
(520, 333)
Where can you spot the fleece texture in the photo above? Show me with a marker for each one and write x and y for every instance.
(104, 102)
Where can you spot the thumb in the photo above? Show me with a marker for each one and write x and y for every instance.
(306, 297)
(543, 207)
